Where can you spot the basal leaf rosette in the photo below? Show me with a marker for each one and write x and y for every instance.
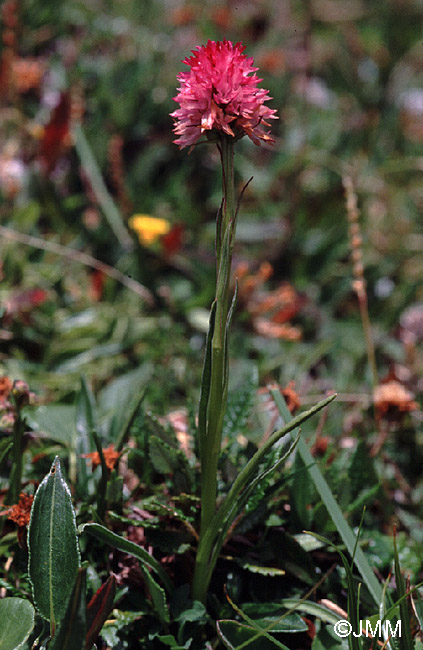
(220, 93)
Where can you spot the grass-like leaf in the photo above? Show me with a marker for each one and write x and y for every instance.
(332, 506)
(122, 544)
(405, 640)
(98, 609)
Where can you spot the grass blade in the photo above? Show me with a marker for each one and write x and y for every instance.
(405, 641)
(108, 206)
(122, 544)
(332, 507)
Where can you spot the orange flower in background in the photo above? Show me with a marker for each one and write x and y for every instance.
(20, 513)
(291, 397)
(111, 456)
(273, 61)
(182, 16)
(6, 385)
(393, 396)
(26, 74)
(222, 17)
(270, 311)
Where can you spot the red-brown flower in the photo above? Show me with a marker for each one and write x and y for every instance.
(220, 93)
(111, 456)
(20, 512)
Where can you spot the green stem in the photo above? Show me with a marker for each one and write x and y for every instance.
(219, 368)
(17, 461)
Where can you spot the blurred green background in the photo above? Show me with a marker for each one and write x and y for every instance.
(86, 90)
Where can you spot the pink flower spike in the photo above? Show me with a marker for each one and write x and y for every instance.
(220, 93)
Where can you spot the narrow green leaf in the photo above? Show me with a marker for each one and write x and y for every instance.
(6, 448)
(235, 501)
(158, 596)
(72, 629)
(225, 386)
(236, 636)
(16, 622)
(218, 240)
(245, 477)
(85, 411)
(99, 607)
(205, 383)
(312, 608)
(405, 641)
(129, 417)
(53, 547)
(122, 544)
(352, 597)
(331, 505)
(261, 631)
(101, 192)
(272, 618)
(85, 423)
(102, 487)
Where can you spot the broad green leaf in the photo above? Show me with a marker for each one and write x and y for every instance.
(16, 622)
(72, 629)
(169, 640)
(121, 400)
(326, 639)
(119, 620)
(53, 547)
(57, 421)
(105, 535)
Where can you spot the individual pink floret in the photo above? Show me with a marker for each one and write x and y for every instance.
(220, 93)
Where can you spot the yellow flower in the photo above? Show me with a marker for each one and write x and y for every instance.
(148, 229)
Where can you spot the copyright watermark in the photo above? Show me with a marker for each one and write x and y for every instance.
(343, 628)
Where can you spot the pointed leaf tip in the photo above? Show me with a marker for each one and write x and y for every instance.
(52, 544)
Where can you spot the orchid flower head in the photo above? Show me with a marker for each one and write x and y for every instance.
(220, 93)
